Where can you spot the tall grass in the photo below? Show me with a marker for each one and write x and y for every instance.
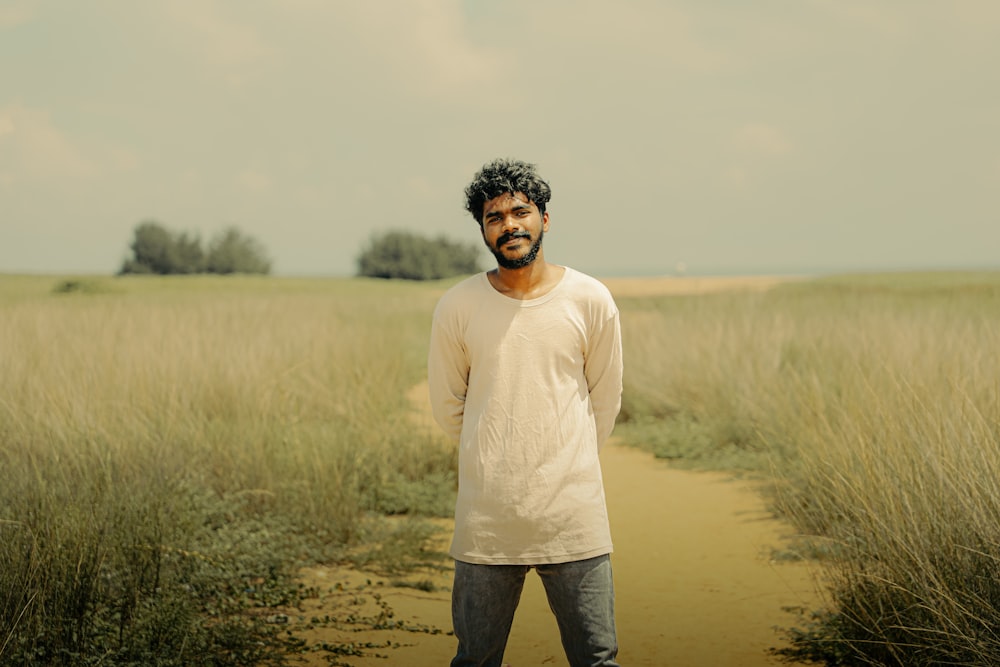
(172, 448)
(872, 404)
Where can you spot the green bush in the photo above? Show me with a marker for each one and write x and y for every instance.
(233, 252)
(400, 254)
(155, 249)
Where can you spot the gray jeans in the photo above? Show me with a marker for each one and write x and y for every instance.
(580, 593)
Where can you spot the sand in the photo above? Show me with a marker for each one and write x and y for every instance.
(695, 582)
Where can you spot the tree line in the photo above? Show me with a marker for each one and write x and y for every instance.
(392, 255)
(156, 249)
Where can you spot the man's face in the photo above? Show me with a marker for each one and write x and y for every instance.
(513, 229)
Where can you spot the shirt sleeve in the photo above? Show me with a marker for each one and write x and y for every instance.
(447, 373)
(603, 369)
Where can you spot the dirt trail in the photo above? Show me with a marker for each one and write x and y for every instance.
(694, 582)
(695, 586)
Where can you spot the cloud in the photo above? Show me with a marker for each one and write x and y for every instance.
(648, 35)
(878, 18)
(754, 147)
(13, 13)
(419, 188)
(762, 139)
(973, 22)
(415, 49)
(34, 149)
(234, 46)
(440, 39)
(253, 179)
(736, 178)
(425, 44)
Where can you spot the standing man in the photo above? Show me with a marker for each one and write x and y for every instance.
(525, 370)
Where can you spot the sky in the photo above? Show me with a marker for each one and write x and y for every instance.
(775, 136)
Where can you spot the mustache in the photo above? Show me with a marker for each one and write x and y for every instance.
(507, 236)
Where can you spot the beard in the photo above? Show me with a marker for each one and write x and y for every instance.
(516, 262)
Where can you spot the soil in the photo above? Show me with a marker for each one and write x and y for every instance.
(696, 585)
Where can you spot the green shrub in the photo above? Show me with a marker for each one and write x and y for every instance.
(233, 252)
(157, 250)
(400, 254)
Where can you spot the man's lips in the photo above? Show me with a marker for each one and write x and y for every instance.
(508, 239)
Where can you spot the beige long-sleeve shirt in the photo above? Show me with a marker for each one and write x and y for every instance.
(531, 389)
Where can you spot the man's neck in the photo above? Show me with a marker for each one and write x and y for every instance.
(528, 282)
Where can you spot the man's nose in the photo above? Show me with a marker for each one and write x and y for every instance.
(510, 222)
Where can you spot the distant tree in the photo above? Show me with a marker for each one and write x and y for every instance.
(150, 249)
(155, 249)
(186, 255)
(233, 252)
(406, 255)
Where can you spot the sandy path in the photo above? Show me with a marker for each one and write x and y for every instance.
(695, 586)
(694, 583)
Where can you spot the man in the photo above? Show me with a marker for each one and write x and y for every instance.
(525, 370)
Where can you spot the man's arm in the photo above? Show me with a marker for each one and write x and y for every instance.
(603, 370)
(447, 374)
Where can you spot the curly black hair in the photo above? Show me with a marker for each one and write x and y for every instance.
(501, 176)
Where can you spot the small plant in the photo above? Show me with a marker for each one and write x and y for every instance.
(80, 286)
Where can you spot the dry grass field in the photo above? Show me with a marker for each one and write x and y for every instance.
(871, 405)
(176, 451)
(657, 286)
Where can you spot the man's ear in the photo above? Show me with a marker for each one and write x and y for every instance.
(545, 221)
